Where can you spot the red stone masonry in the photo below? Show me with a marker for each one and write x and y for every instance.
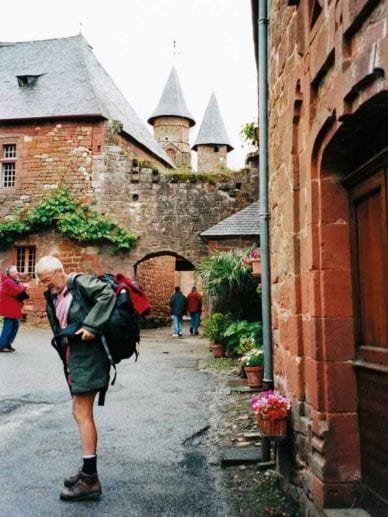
(319, 75)
(116, 176)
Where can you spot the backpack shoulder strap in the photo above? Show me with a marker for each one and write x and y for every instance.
(73, 287)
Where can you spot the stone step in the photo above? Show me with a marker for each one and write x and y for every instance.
(345, 512)
(240, 456)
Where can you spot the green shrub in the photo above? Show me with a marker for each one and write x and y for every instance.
(241, 336)
(229, 282)
(214, 326)
(61, 211)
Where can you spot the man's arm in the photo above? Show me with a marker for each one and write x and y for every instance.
(102, 299)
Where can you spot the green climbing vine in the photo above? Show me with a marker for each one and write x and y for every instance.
(60, 210)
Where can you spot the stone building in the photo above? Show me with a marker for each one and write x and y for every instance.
(172, 121)
(238, 231)
(212, 143)
(63, 122)
(328, 163)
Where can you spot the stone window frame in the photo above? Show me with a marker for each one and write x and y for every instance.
(9, 160)
(26, 259)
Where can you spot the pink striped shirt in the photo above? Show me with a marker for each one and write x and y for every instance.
(62, 305)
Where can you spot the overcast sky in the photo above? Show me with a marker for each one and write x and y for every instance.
(133, 40)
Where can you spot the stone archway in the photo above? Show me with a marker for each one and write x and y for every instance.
(158, 273)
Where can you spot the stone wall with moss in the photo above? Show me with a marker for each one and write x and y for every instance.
(168, 208)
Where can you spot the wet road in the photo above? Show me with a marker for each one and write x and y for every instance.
(149, 460)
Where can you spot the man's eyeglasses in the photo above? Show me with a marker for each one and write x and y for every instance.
(46, 280)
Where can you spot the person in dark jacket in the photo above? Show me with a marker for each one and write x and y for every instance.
(178, 304)
(194, 306)
(85, 362)
(12, 294)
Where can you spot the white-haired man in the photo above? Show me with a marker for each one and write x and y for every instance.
(85, 362)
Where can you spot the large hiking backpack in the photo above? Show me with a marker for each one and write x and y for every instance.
(121, 335)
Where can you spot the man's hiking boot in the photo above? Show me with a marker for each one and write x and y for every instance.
(86, 487)
(72, 480)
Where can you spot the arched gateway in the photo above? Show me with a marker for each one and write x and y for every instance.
(158, 273)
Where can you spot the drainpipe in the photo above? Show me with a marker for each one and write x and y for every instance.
(262, 52)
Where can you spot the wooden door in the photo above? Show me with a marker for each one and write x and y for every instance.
(370, 255)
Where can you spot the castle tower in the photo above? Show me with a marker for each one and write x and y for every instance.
(212, 143)
(172, 121)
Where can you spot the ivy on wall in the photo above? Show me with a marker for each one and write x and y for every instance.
(61, 211)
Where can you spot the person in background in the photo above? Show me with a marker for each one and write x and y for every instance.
(86, 365)
(194, 306)
(178, 304)
(12, 295)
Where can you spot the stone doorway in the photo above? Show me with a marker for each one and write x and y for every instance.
(358, 157)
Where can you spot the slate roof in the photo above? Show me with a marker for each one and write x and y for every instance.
(212, 130)
(245, 222)
(172, 102)
(72, 82)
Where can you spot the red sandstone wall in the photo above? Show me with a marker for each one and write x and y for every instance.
(63, 152)
(117, 178)
(130, 150)
(85, 259)
(313, 77)
(157, 277)
(51, 154)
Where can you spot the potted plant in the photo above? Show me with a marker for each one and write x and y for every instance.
(272, 412)
(230, 284)
(254, 262)
(214, 327)
(242, 336)
(253, 363)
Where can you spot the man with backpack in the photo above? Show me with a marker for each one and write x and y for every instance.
(85, 361)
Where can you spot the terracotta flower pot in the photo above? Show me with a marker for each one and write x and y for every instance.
(256, 267)
(255, 376)
(272, 427)
(218, 350)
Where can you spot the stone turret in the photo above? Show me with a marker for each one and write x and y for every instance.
(172, 121)
(212, 143)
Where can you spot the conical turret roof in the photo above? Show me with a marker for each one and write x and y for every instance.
(212, 130)
(172, 102)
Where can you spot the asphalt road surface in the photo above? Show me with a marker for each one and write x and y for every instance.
(148, 462)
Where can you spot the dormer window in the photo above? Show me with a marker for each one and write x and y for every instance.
(26, 80)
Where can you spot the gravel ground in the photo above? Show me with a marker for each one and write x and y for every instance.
(252, 492)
